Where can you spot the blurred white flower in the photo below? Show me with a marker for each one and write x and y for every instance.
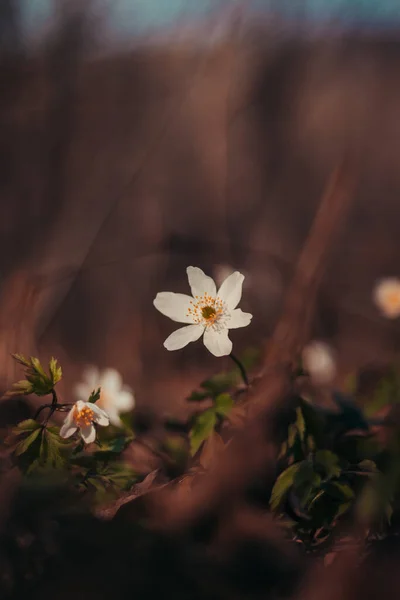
(115, 398)
(209, 312)
(319, 361)
(387, 297)
(82, 416)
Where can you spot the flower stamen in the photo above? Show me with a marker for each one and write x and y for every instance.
(83, 417)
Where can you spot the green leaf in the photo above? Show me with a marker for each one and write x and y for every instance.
(50, 452)
(343, 508)
(283, 450)
(368, 466)
(306, 475)
(282, 485)
(345, 490)
(292, 435)
(311, 443)
(329, 462)
(300, 423)
(202, 428)
(114, 446)
(24, 445)
(223, 404)
(27, 425)
(22, 387)
(55, 370)
(198, 395)
(37, 367)
(20, 358)
(389, 513)
(95, 396)
(384, 394)
(220, 383)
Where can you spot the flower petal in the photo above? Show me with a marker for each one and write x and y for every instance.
(88, 434)
(110, 380)
(91, 377)
(239, 319)
(174, 306)
(68, 428)
(217, 342)
(82, 391)
(100, 416)
(200, 283)
(386, 296)
(183, 336)
(114, 416)
(125, 401)
(230, 291)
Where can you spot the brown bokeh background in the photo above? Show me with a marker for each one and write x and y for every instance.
(117, 172)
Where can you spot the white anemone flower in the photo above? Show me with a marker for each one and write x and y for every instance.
(206, 312)
(319, 361)
(387, 297)
(115, 398)
(82, 416)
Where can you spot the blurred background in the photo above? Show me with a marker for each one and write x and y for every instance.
(138, 137)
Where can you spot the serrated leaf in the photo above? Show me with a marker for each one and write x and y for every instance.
(22, 387)
(223, 404)
(49, 452)
(329, 462)
(202, 428)
(37, 367)
(25, 443)
(21, 359)
(282, 485)
(55, 370)
(300, 423)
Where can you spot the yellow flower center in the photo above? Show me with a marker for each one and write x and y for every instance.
(206, 310)
(392, 299)
(83, 417)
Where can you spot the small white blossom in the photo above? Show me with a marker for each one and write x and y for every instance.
(319, 361)
(206, 312)
(115, 398)
(82, 416)
(386, 296)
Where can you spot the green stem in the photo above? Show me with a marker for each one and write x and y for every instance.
(241, 369)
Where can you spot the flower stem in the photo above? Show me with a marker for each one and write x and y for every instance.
(241, 369)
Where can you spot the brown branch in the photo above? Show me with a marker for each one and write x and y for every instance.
(252, 451)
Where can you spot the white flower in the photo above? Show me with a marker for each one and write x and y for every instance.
(82, 416)
(387, 297)
(115, 398)
(319, 361)
(207, 312)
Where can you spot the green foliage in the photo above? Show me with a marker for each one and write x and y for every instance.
(203, 426)
(37, 381)
(223, 404)
(95, 396)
